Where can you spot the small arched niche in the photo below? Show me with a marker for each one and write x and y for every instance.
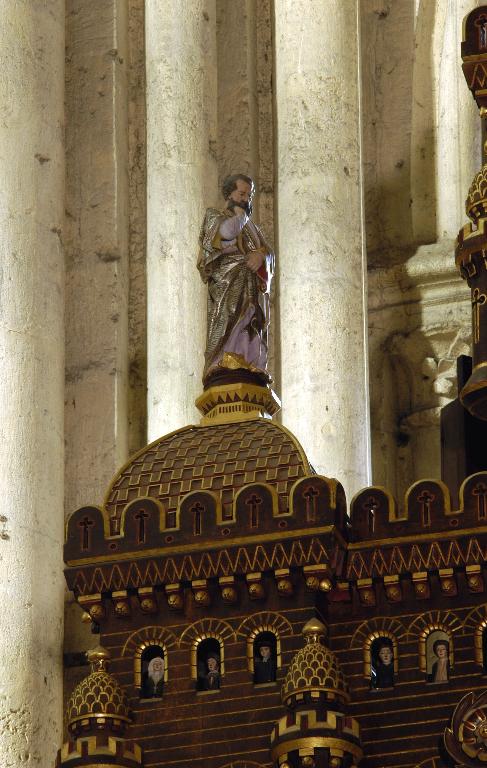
(209, 664)
(151, 671)
(480, 641)
(265, 657)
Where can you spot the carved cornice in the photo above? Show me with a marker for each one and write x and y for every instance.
(300, 551)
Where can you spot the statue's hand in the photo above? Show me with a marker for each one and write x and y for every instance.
(255, 260)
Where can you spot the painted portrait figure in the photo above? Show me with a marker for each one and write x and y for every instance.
(382, 663)
(438, 657)
(210, 680)
(264, 661)
(153, 678)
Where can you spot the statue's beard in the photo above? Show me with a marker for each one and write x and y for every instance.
(156, 676)
(247, 207)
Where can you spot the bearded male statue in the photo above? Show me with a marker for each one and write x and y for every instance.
(153, 682)
(237, 264)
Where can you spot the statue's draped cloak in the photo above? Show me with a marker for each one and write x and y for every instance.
(238, 299)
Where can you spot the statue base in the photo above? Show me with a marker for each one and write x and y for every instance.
(219, 376)
(236, 400)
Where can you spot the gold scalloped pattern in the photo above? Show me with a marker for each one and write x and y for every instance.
(97, 694)
(476, 202)
(314, 668)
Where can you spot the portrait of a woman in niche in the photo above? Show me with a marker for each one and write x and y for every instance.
(438, 657)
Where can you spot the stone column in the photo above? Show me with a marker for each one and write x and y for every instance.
(238, 129)
(245, 109)
(320, 236)
(32, 380)
(181, 183)
(458, 153)
(445, 135)
(96, 247)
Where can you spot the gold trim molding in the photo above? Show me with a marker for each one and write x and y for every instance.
(227, 403)
(315, 742)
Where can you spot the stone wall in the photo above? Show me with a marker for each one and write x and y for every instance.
(421, 150)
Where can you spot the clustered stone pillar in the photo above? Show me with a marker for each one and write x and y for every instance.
(181, 182)
(32, 380)
(320, 236)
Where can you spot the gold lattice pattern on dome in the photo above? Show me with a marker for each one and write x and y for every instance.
(99, 694)
(218, 458)
(314, 669)
(476, 202)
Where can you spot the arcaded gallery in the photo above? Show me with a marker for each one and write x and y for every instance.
(243, 384)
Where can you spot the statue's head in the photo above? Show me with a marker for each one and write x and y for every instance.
(238, 189)
(155, 667)
(213, 663)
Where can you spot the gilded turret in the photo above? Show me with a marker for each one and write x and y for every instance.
(97, 715)
(314, 674)
(97, 701)
(316, 733)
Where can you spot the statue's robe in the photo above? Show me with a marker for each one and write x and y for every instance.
(238, 299)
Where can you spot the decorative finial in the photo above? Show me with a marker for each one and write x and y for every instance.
(314, 631)
(98, 658)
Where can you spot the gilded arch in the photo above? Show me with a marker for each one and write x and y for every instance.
(206, 629)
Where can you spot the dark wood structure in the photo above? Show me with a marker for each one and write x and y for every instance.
(222, 532)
